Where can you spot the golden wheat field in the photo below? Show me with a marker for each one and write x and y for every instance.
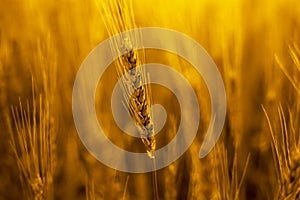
(256, 47)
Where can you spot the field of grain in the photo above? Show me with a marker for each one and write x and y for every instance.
(256, 46)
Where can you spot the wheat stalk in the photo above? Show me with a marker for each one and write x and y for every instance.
(286, 139)
(118, 17)
(286, 153)
(33, 146)
(228, 182)
(90, 189)
(294, 51)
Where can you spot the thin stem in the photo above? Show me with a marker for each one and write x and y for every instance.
(125, 187)
(154, 180)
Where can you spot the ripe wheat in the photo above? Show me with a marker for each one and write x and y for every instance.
(118, 17)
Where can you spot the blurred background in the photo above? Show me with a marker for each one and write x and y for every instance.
(256, 46)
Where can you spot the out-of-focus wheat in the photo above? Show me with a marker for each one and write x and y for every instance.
(34, 138)
(293, 74)
(286, 137)
(33, 145)
(286, 151)
(90, 189)
(228, 183)
(3, 62)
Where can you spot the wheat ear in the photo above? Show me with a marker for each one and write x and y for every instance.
(286, 138)
(33, 147)
(118, 17)
(228, 181)
(286, 153)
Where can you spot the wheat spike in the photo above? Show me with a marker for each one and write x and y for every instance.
(287, 158)
(32, 145)
(118, 17)
(290, 189)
